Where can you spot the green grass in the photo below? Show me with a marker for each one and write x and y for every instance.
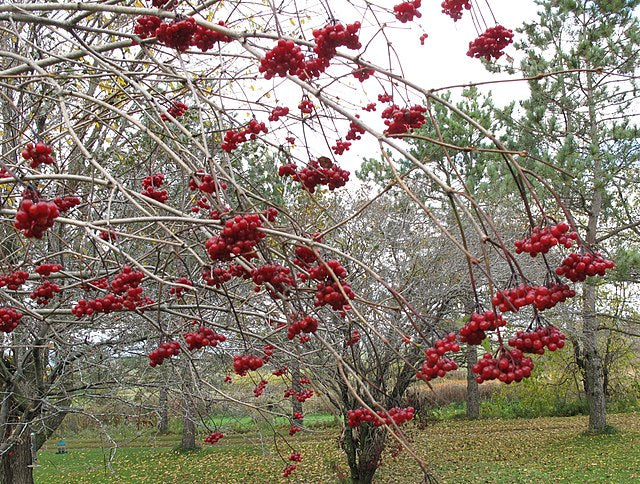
(491, 450)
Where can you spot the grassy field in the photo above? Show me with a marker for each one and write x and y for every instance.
(520, 450)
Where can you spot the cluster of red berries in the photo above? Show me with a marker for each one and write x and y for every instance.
(164, 3)
(285, 58)
(205, 39)
(39, 154)
(306, 106)
(396, 415)
(108, 235)
(491, 43)
(508, 367)
(45, 270)
(304, 396)
(363, 73)
(9, 319)
(126, 294)
(355, 130)
(535, 341)
(294, 429)
(577, 267)
(111, 302)
(259, 389)
(213, 437)
(179, 290)
(305, 255)
(43, 293)
(146, 26)
(238, 237)
(423, 37)
(314, 175)
(165, 350)
(308, 324)
(276, 276)
(176, 110)
(406, 11)
(14, 280)
(542, 297)
(96, 284)
(298, 415)
(288, 470)
(330, 37)
(177, 35)
(205, 183)
(278, 112)
(67, 203)
(126, 279)
(295, 457)
(268, 350)
(401, 120)
(35, 218)
(203, 337)
(233, 138)
(453, 8)
(242, 364)
(280, 371)
(473, 332)
(434, 365)
(180, 34)
(542, 239)
(324, 271)
(353, 339)
(216, 276)
(150, 184)
(331, 293)
(340, 147)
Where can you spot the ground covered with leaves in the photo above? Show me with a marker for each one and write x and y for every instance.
(542, 449)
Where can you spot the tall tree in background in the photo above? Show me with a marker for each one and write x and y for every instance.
(583, 57)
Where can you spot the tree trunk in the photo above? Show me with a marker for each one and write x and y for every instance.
(188, 426)
(594, 375)
(163, 410)
(473, 393)
(370, 452)
(16, 463)
(593, 363)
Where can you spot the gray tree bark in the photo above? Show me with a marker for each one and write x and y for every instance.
(594, 376)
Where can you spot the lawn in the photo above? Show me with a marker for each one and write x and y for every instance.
(522, 450)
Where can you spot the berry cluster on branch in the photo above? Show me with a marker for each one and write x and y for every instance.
(491, 43)
(544, 238)
(536, 341)
(434, 364)
(203, 337)
(406, 11)
(213, 437)
(165, 350)
(242, 364)
(396, 415)
(314, 175)
(39, 154)
(9, 319)
(14, 280)
(473, 333)
(508, 366)
(577, 267)
(150, 185)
